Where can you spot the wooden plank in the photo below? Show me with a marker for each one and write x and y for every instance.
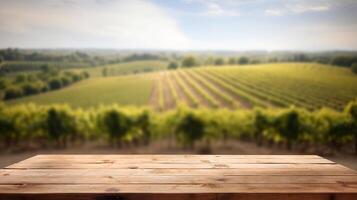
(177, 188)
(266, 196)
(180, 160)
(70, 165)
(331, 170)
(172, 179)
(177, 177)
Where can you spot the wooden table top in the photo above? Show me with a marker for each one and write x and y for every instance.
(177, 177)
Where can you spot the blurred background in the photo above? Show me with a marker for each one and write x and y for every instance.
(178, 77)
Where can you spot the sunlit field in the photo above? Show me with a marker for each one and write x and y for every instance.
(128, 90)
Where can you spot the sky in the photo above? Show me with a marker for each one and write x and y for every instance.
(310, 25)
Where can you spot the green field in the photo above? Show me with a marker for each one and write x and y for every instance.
(308, 85)
(123, 90)
(128, 68)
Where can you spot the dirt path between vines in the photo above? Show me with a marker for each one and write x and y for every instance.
(222, 103)
(180, 91)
(243, 103)
(154, 96)
(201, 99)
(169, 101)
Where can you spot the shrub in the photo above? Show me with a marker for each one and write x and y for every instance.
(232, 61)
(343, 61)
(30, 89)
(172, 65)
(219, 61)
(3, 84)
(85, 74)
(7, 128)
(288, 126)
(189, 61)
(190, 129)
(65, 80)
(117, 125)
(55, 83)
(354, 68)
(243, 60)
(20, 78)
(76, 77)
(60, 124)
(13, 92)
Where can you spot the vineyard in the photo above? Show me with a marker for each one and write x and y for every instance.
(311, 86)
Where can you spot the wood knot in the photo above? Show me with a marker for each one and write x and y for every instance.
(113, 189)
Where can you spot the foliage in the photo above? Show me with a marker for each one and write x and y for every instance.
(13, 92)
(232, 61)
(26, 124)
(219, 61)
(116, 125)
(243, 60)
(55, 83)
(60, 124)
(344, 61)
(34, 83)
(189, 61)
(190, 129)
(354, 68)
(172, 65)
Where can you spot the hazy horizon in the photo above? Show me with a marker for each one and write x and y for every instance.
(184, 25)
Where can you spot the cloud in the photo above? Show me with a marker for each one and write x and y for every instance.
(99, 23)
(304, 6)
(214, 8)
(274, 12)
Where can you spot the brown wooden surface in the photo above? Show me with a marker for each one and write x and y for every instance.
(177, 177)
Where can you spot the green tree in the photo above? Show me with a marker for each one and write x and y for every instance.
(55, 83)
(85, 74)
(13, 92)
(172, 65)
(354, 68)
(20, 78)
(243, 60)
(105, 72)
(66, 80)
(31, 88)
(232, 61)
(219, 61)
(189, 61)
(3, 83)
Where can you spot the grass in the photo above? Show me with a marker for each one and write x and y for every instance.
(128, 68)
(123, 90)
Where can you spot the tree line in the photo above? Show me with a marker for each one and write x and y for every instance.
(192, 61)
(25, 84)
(61, 125)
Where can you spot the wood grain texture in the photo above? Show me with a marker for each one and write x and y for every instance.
(177, 177)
